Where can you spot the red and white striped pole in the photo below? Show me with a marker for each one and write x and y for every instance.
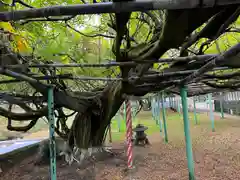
(129, 136)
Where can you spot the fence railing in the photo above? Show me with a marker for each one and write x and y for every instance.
(229, 107)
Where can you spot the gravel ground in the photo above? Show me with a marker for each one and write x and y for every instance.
(216, 157)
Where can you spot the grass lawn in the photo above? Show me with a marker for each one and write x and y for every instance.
(145, 118)
(175, 127)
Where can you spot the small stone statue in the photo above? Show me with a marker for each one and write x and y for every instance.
(141, 136)
(173, 109)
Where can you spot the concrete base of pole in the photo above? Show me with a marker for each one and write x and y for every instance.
(130, 171)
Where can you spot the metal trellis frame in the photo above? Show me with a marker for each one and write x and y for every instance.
(52, 142)
(182, 85)
(109, 7)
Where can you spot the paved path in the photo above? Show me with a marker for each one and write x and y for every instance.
(228, 116)
(217, 114)
(37, 135)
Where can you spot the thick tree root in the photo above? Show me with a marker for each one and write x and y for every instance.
(79, 155)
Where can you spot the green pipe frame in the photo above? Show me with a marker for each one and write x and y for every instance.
(164, 119)
(178, 106)
(118, 116)
(152, 108)
(211, 112)
(159, 114)
(124, 112)
(133, 113)
(221, 106)
(195, 111)
(155, 110)
(52, 143)
(189, 152)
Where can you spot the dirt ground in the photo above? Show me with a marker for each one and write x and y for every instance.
(216, 157)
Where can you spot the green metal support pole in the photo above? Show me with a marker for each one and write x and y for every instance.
(195, 111)
(52, 143)
(132, 112)
(189, 152)
(119, 121)
(178, 106)
(124, 112)
(221, 106)
(174, 103)
(152, 108)
(159, 114)
(211, 111)
(164, 119)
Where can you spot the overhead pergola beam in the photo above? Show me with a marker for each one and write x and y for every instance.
(200, 58)
(215, 61)
(109, 7)
(153, 82)
(206, 63)
(148, 77)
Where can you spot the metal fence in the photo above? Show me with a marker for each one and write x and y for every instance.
(230, 103)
